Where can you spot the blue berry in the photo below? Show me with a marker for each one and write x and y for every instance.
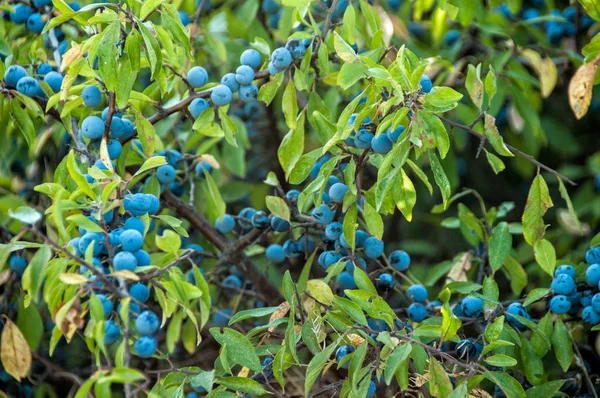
(225, 224)
(43, 69)
(341, 352)
(198, 106)
(260, 220)
(451, 37)
(28, 86)
(233, 281)
(92, 127)
(346, 281)
(20, 14)
(111, 332)
(281, 58)
(197, 77)
(351, 263)
(596, 302)
(114, 148)
(230, 81)
(279, 224)
(88, 239)
(36, 22)
(592, 274)
(426, 84)
(363, 139)
(400, 260)
(393, 135)
(386, 281)
(565, 269)
(140, 292)
(244, 75)
(323, 214)
(17, 263)
(198, 257)
(273, 70)
(166, 174)
(472, 306)
(221, 317)
(292, 248)
(270, 6)
(251, 58)
(296, 48)
(337, 192)
(328, 258)
(373, 247)
(54, 80)
(590, 316)
(248, 93)
(381, 144)
(124, 261)
(563, 284)
(131, 240)
(333, 231)
(147, 323)
(417, 293)
(275, 253)
(592, 256)
(221, 95)
(145, 346)
(417, 312)
(201, 167)
(142, 257)
(371, 390)
(107, 305)
(516, 309)
(136, 224)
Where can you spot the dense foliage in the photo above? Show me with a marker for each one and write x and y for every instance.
(299, 198)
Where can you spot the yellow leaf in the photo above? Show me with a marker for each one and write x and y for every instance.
(104, 156)
(210, 159)
(71, 55)
(280, 313)
(580, 88)
(15, 353)
(459, 271)
(127, 275)
(72, 279)
(4, 276)
(544, 68)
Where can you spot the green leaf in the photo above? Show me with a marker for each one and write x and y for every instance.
(443, 98)
(439, 381)
(474, 85)
(148, 7)
(563, 347)
(153, 52)
(516, 273)
(241, 351)
(511, 387)
(278, 207)
(320, 291)
(169, 242)
(36, 272)
(204, 379)
(291, 147)
(565, 195)
(545, 390)
(349, 226)
(216, 205)
(107, 55)
(242, 384)
(404, 194)
(31, 325)
(344, 50)
(23, 122)
(363, 281)
(373, 220)
(146, 134)
(500, 245)
(494, 137)
(501, 360)
(494, 161)
(151, 163)
(303, 167)
(545, 256)
(440, 177)
(290, 105)
(538, 202)
(25, 214)
(535, 295)
(494, 329)
(267, 91)
(229, 128)
(490, 84)
(531, 362)
(352, 309)
(316, 364)
(174, 223)
(396, 358)
(78, 177)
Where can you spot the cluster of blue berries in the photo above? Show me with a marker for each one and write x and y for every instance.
(570, 297)
(16, 77)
